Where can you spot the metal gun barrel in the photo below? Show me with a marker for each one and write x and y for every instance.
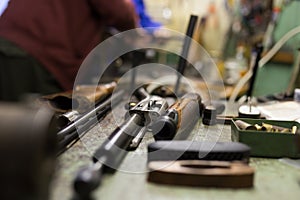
(80, 126)
(108, 156)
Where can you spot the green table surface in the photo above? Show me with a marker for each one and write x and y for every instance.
(273, 179)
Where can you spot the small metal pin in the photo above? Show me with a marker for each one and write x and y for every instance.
(138, 139)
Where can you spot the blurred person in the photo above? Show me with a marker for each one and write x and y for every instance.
(43, 42)
(145, 20)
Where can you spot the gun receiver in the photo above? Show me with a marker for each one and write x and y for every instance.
(180, 118)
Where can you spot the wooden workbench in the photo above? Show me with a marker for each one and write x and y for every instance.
(273, 179)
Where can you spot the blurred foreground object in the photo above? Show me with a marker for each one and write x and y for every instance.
(27, 149)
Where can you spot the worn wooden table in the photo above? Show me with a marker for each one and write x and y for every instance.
(273, 179)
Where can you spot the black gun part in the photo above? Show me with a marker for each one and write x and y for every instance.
(112, 152)
(198, 150)
(185, 50)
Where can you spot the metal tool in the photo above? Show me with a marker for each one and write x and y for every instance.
(258, 51)
(250, 111)
(185, 51)
(137, 57)
(295, 72)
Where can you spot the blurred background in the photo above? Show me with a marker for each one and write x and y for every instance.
(228, 30)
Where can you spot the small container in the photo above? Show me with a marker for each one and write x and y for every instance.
(267, 144)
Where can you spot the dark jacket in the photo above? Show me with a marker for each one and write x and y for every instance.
(60, 33)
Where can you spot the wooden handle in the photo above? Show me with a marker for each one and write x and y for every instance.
(188, 107)
(82, 98)
(202, 173)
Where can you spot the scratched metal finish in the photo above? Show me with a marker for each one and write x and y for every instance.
(273, 179)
